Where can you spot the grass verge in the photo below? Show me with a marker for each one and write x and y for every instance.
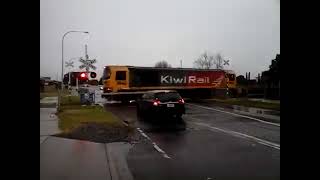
(248, 103)
(90, 123)
(73, 115)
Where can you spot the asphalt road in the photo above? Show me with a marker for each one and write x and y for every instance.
(214, 145)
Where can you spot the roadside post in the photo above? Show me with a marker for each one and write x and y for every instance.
(77, 83)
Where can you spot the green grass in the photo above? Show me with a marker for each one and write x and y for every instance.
(48, 94)
(248, 103)
(70, 100)
(72, 118)
(73, 114)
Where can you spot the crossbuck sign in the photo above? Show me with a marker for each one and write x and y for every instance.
(69, 64)
(87, 64)
(226, 62)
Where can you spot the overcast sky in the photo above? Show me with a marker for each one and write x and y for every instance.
(142, 32)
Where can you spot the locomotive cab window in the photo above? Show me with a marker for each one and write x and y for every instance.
(231, 77)
(121, 75)
(106, 73)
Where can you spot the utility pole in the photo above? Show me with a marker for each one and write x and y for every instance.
(86, 51)
(69, 65)
(181, 63)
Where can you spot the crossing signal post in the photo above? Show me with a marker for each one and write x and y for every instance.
(85, 75)
(82, 77)
(77, 78)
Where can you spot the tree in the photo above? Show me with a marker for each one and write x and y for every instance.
(207, 61)
(271, 78)
(218, 61)
(241, 80)
(275, 64)
(162, 64)
(273, 74)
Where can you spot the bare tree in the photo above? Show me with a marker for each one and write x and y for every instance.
(162, 64)
(205, 61)
(218, 61)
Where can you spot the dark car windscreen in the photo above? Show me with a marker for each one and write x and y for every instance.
(169, 96)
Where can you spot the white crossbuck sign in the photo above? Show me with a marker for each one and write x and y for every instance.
(69, 64)
(87, 64)
(225, 62)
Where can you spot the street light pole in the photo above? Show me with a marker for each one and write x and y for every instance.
(59, 98)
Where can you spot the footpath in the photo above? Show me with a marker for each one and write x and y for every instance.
(70, 159)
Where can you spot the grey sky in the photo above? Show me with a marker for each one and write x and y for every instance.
(142, 32)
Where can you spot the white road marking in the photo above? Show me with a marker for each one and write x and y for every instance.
(125, 124)
(158, 149)
(143, 134)
(164, 154)
(241, 135)
(239, 115)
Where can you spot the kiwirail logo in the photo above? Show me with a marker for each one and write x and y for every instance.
(167, 79)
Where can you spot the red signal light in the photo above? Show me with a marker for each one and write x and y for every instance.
(83, 75)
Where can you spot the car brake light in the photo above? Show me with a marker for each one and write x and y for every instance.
(181, 101)
(156, 102)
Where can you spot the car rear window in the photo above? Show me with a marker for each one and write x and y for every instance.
(169, 96)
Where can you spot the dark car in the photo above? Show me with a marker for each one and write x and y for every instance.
(160, 103)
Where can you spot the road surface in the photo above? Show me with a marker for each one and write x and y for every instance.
(215, 145)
